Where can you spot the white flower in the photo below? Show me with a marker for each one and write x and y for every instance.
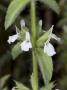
(12, 38)
(49, 49)
(22, 23)
(26, 44)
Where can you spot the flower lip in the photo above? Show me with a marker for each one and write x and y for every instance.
(25, 46)
(49, 49)
(12, 38)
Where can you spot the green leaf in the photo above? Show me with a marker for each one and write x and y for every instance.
(16, 51)
(46, 65)
(14, 9)
(44, 37)
(3, 81)
(20, 86)
(52, 4)
(48, 87)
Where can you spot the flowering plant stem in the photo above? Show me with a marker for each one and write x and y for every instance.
(33, 21)
(33, 28)
(35, 73)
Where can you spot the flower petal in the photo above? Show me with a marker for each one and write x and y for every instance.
(12, 38)
(55, 37)
(17, 30)
(40, 22)
(27, 36)
(30, 45)
(22, 23)
(25, 46)
(49, 49)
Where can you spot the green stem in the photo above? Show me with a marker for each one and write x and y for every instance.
(33, 28)
(35, 73)
(33, 21)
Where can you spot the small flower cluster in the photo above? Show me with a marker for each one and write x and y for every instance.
(26, 44)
